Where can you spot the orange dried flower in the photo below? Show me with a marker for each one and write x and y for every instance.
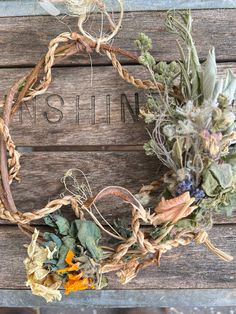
(72, 266)
(75, 281)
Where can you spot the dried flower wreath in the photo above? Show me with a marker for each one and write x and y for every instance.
(193, 135)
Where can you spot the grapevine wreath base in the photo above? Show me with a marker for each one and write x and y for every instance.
(194, 131)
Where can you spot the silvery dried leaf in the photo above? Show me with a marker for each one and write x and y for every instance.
(217, 90)
(209, 75)
(229, 89)
(177, 150)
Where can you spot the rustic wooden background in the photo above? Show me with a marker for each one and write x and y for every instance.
(88, 120)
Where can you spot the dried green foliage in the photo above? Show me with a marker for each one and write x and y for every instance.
(79, 236)
(89, 235)
(194, 121)
(122, 227)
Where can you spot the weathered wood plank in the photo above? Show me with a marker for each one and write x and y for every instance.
(191, 267)
(23, 40)
(41, 173)
(80, 108)
(73, 112)
(31, 7)
(125, 299)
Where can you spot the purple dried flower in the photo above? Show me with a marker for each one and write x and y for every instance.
(184, 186)
(197, 193)
(187, 185)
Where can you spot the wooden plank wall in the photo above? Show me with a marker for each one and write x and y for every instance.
(88, 119)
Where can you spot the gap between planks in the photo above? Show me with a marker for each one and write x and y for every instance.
(82, 148)
(108, 64)
(210, 28)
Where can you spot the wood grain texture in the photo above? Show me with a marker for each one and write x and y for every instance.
(185, 267)
(73, 112)
(80, 108)
(31, 7)
(41, 173)
(23, 40)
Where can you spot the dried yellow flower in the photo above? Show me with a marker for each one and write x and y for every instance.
(40, 280)
(211, 143)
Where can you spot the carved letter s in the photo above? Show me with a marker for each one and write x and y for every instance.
(56, 110)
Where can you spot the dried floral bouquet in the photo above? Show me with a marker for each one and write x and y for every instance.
(192, 114)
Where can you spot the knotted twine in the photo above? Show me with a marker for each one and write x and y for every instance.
(30, 86)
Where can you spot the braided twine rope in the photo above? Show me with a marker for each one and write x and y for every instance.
(30, 86)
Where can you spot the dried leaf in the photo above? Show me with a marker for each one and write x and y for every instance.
(165, 205)
(122, 227)
(177, 151)
(51, 237)
(186, 224)
(209, 75)
(62, 224)
(209, 184)
(229, 203)
(157, 232)
(229, 89)
(223, 174)
(217, 90)
(174, 209)
(49, 221)
(89, 234)
(68, 244)
(129, 271)
(58, 222)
